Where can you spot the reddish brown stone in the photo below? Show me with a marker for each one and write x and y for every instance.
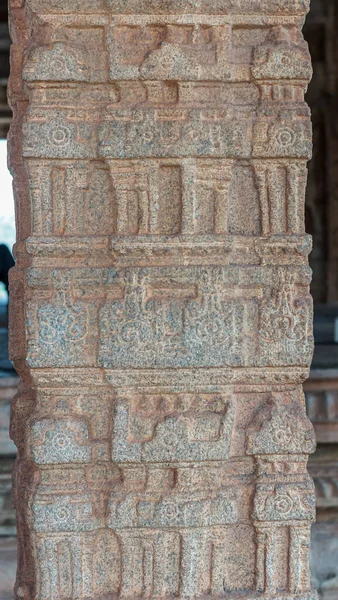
(159, 152)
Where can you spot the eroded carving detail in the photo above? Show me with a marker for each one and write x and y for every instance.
(166, 314)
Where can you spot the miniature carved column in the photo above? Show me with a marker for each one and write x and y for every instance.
(161, 321)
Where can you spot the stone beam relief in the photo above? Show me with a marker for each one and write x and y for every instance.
(161, 320)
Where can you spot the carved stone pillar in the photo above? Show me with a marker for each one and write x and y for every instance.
(160, 314)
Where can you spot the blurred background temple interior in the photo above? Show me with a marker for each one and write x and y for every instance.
(321, 32)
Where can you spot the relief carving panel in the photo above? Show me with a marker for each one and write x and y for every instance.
(162, 322)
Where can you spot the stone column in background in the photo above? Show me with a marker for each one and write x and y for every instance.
(160, 315)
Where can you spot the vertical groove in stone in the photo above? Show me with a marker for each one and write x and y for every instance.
(161, 320)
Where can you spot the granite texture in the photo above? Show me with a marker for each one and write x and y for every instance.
(160, 319)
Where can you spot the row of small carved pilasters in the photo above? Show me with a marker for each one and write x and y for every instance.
(204, 197)
(292, 542)
(162, 369)
(283, 509)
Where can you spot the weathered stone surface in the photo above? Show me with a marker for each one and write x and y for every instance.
(159, 150)
(242, 7)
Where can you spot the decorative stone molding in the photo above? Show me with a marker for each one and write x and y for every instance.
(161, 317)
